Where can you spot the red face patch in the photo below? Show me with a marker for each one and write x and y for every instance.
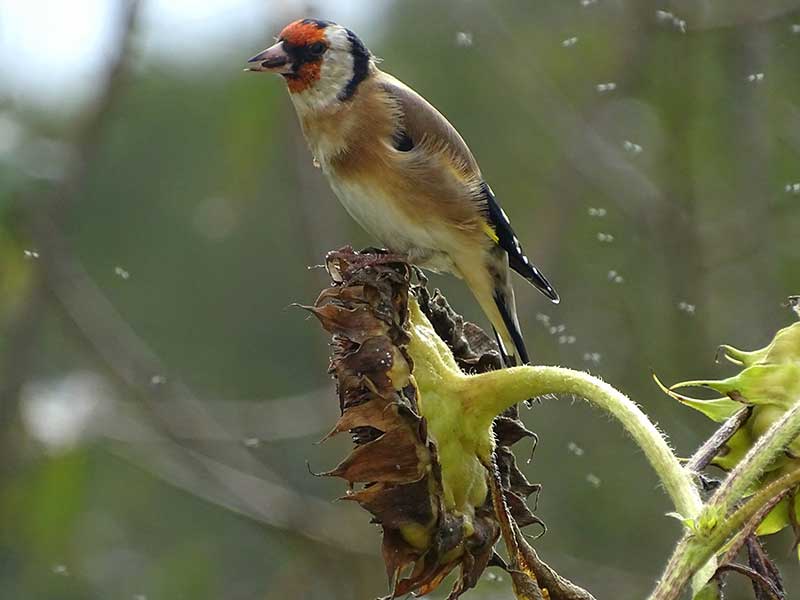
(298, 37)
(303, 33)
(307, 75)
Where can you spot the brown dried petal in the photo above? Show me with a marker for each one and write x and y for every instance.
(520, 512)
(395, 506)
(513, 478)
(430, 571)
(357, 323)
(508, 431)
(381, 416)
(397, 555)
(392, 458)
(480, 548)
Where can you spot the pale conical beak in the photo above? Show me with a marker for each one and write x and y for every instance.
(272, 60)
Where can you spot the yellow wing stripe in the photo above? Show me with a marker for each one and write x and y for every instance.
(489, 231)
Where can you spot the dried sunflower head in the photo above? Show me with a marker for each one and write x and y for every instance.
(443, 487)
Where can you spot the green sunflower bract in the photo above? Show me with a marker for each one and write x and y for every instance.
(769, 384)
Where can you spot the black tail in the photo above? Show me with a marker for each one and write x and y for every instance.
(533, 275)
(513, 330)
(507, 240)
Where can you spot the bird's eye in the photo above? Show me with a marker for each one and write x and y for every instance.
(318, 49)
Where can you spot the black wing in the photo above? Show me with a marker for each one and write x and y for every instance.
(508, 241)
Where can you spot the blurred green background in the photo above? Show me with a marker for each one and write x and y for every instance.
(160, 399)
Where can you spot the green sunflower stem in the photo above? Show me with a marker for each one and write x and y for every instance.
(497, 390)
(716, 524)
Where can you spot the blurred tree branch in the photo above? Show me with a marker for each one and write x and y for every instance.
(257, 492)
(267, 502)
(52, 205)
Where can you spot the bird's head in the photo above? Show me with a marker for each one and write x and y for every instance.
(323, 63)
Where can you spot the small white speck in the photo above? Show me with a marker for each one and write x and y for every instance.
(606, 87)
(566, 339)
(597, 212)
(158, 380)
(664, 16)
(629, 146)
(569, 42)
(593, 480)
(60, 570)
(543, 318)
(794, 303)
(122, 273)
(575, 449)
(689, 309)
(32, 254)
(592, 357)
(558, 329)
(792, 188)
(588, 2)
(315, 162)
(463, 39)
(605, 237)
(139, 597)
(251, 442)
(615, 277)
(755, 77)
(796, 28)
(491, 576)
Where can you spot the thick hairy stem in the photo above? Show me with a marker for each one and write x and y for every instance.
(496, 390)
(714, 526)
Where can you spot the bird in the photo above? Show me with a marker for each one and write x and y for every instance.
(401, 170)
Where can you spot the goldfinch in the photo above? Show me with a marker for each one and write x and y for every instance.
(401, 169)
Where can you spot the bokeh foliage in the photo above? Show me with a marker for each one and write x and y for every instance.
(203, 193)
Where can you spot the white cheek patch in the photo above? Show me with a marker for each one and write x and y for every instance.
(335, 73)
(337, 70)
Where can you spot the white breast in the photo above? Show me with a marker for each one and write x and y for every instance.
(378, 215)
